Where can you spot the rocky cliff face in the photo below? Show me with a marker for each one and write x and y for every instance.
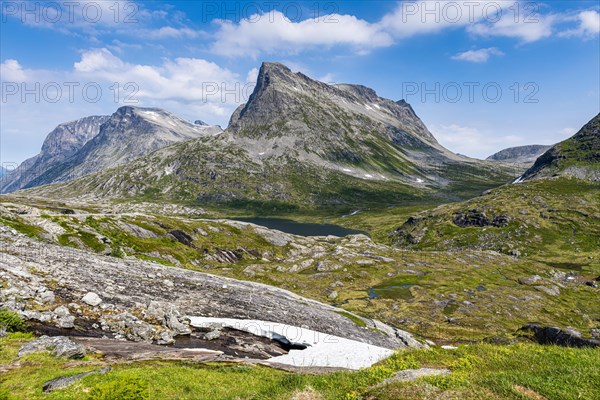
(520, 154)
(60, 144)
(578, 156)
(128, 134)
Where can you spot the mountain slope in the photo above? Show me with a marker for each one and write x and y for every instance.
(302, 143)
(130, 133)
(578, 156)
(60, 144)
(552, 215)
(520, 154)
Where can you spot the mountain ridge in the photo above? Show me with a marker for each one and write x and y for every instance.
(354, 146)
(520, 154)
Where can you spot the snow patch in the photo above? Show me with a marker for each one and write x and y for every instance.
(260, 154)
(346, 170)
(419, 180)
(322, 350)
(368, 108)
(376, 106)
(518, 180)
(368, 176)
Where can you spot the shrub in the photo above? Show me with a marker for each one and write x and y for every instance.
(10, 321)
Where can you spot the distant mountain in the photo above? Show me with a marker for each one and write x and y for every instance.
(302, 143)
(2, 171)
(94, 144)
(60, 144)
(578, 156)
(520, 154)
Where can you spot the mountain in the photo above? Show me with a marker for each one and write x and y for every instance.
(520, 154)
(578, 156)
(60, 144)
(110, 141)
(554, 210)
(2, 171)
(301, 143)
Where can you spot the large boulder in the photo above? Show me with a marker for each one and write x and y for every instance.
(58, 346)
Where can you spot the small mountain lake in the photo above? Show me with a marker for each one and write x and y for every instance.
(301, 228)
(397, 288)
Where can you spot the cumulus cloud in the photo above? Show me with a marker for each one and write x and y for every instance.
(539, 27)
(274, 32)
(478, 56)
(589, 25)
(11, 71)
(472, 141)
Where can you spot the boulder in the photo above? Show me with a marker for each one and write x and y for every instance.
(558, 336)
(91, 299)
(58, 346)
(66, 381)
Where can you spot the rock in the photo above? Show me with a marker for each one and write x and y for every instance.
(58, 346)
(446, 347)
(560, 337)
(212, 335)
(333, 295)
(173, 322)
(413, 374)
(63, 317)
(529, 280)
(91, 299)
(549, 290)
(66, 381)
(166, 337)
(47, 296)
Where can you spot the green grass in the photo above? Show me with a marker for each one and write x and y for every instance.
(478, 371)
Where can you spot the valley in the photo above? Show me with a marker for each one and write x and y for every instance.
(324, 244)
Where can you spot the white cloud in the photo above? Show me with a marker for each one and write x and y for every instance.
(478, 56)
(11, 71)
(273, 32)
(589, 25)
(472, 141)
(524, 29)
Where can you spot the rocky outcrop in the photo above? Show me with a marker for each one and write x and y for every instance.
(479, 219)
(147, 302)
(558, 336)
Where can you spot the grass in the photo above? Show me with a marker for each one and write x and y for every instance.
(478, 371)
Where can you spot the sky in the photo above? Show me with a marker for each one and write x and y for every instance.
(482, 75)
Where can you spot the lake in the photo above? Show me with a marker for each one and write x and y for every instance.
(301, 228)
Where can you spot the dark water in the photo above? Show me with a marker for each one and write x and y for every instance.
(392, 292)
(300, 228)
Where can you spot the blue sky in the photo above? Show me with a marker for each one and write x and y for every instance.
(483, 75)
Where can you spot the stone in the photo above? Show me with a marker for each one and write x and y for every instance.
(91, 299)
(212, 335)
(333, 295)
(66, 381)
(166, 337)
(58, 346)
(529, 280)
(549, 290)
